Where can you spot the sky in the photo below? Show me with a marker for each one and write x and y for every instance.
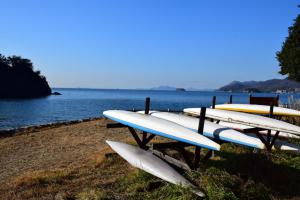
(132, 44)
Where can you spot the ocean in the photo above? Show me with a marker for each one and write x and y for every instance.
(76, 104)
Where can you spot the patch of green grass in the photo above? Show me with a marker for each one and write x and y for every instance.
(91, 194)
(142, 185)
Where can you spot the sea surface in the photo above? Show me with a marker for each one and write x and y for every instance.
(76, 104)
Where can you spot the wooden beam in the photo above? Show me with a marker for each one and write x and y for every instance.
(230, 99)
(136, 137)
(252, 130)
(197, 157)
(147, 140)
(213, 102)
(115, 125)
(166, 145)
(171, 160)
(275, 137)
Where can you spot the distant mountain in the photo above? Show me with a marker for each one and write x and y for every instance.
(163, 87)
(262, 86)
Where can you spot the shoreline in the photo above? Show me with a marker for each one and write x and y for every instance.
(35, 128)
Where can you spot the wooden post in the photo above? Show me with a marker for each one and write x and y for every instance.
(230, 99)
(269, 143)
(271, 110)
(200, 131)
(147, 109)
(213, 102)
(147, 105)
(201, 120)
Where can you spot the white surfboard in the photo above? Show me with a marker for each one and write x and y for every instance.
(211, 129)
(282, 145)
(160, 127)
(148, 162)
(247, 119)
(242, 127)
(258, 109)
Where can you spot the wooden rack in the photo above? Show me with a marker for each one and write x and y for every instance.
(145, 139)
(271, 101)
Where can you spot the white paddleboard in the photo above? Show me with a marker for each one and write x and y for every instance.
(148, 162)
(211, 129)
(247, 119)
(242, 127)
(258, 109)
(160, 127)
(281, 145)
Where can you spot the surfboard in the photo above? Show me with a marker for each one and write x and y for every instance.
(211, 129)
(247, 119)
(265, 132)
(282, 145)
(258, 109)
(148, 162)
(161, 127)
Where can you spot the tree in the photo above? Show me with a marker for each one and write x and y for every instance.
(19, 80)
(289, 56)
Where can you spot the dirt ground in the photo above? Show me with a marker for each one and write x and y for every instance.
(57, 147)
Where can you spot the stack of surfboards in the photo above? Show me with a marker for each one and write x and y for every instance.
(258, 109)
(238, 120)
(247, 119)
(161, 127)
(147, 161)
(211, 130)
(184, 129)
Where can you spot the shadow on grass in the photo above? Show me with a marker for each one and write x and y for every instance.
(280, 172)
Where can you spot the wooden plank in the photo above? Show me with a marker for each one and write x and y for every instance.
(147, 140)
(264, 100)
(166, 145)
(136, 137)
(171, 160)
(115, 125)
(252, 130)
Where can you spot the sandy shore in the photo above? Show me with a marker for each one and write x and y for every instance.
(54, 147)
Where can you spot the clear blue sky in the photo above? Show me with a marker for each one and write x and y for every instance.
(146, 43)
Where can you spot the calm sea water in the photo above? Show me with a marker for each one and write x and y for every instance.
(76, 104)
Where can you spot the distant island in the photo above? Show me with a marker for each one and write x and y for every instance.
(272, 85)
(170, 88)
(164, 87)
(19, 80)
